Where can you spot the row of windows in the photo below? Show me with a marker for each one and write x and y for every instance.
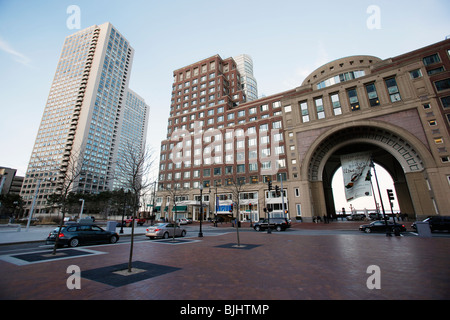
(253, 179)
(353, 99)
(230, 116)
(224, 66)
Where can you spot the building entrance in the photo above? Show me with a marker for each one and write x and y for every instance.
(396, 151)
(389, 173)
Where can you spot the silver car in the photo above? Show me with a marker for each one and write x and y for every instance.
(165, 231)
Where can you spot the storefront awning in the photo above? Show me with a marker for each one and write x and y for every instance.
(177, 208)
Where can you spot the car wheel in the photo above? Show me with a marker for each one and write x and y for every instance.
(166, 235)
(74, 242)
(367, 230)
(113, 239)
(278, 228)
(257, 228)
(183, 233)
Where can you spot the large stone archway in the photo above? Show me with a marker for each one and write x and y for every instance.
(401, 153)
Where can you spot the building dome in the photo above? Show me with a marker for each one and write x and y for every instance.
(340, 70)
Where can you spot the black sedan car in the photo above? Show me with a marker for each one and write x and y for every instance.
(279, 224)
(380, 226)
(75, 234)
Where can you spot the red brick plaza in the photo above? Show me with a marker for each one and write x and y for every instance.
(277, 266)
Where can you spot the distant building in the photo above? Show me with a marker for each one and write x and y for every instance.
(249, 84)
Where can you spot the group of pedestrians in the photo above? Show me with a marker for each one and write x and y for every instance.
(325, 218)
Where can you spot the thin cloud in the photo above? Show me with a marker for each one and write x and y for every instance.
(16, 56)
(301, 72)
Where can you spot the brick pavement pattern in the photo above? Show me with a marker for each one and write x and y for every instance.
(278, 266)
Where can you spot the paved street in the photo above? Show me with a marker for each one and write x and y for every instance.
(277, 266)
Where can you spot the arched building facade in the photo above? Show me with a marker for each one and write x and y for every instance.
(395, 109)
(225, 152)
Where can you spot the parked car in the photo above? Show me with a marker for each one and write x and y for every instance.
(76, 234)
(182, 221)
(436, 223)
(356, 217)
(380, 226)
(139, 221)
(375, 216)
(165, 231)
(279, 224)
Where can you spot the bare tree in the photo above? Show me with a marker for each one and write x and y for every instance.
(70, 170)
(236, 186)
(133, 172)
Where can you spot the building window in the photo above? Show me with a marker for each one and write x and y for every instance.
(435, 71)
(254, 179)
(336, 104)
(392, 87)
(442, 84)
(353, 98)
(445, 102)
(319, 108)
(372, 94)
(304, 111)
(276, 125)
(434, 58)
(415, 74)
(299, 209)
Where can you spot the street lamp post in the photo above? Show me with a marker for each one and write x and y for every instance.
(200, 233)
(82, 207)
(372, 165)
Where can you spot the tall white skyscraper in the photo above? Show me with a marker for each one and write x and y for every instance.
(133, 133)
(245, 67)
(82, 122)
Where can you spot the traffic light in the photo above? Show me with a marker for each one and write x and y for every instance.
(231, 208)
(390, 194)
(250, 206)
(277, 191)
(269, 184)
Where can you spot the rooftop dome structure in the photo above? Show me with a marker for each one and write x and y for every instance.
(340, 70)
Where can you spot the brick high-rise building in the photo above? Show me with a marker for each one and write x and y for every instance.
(217, 141)
(396, 110)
